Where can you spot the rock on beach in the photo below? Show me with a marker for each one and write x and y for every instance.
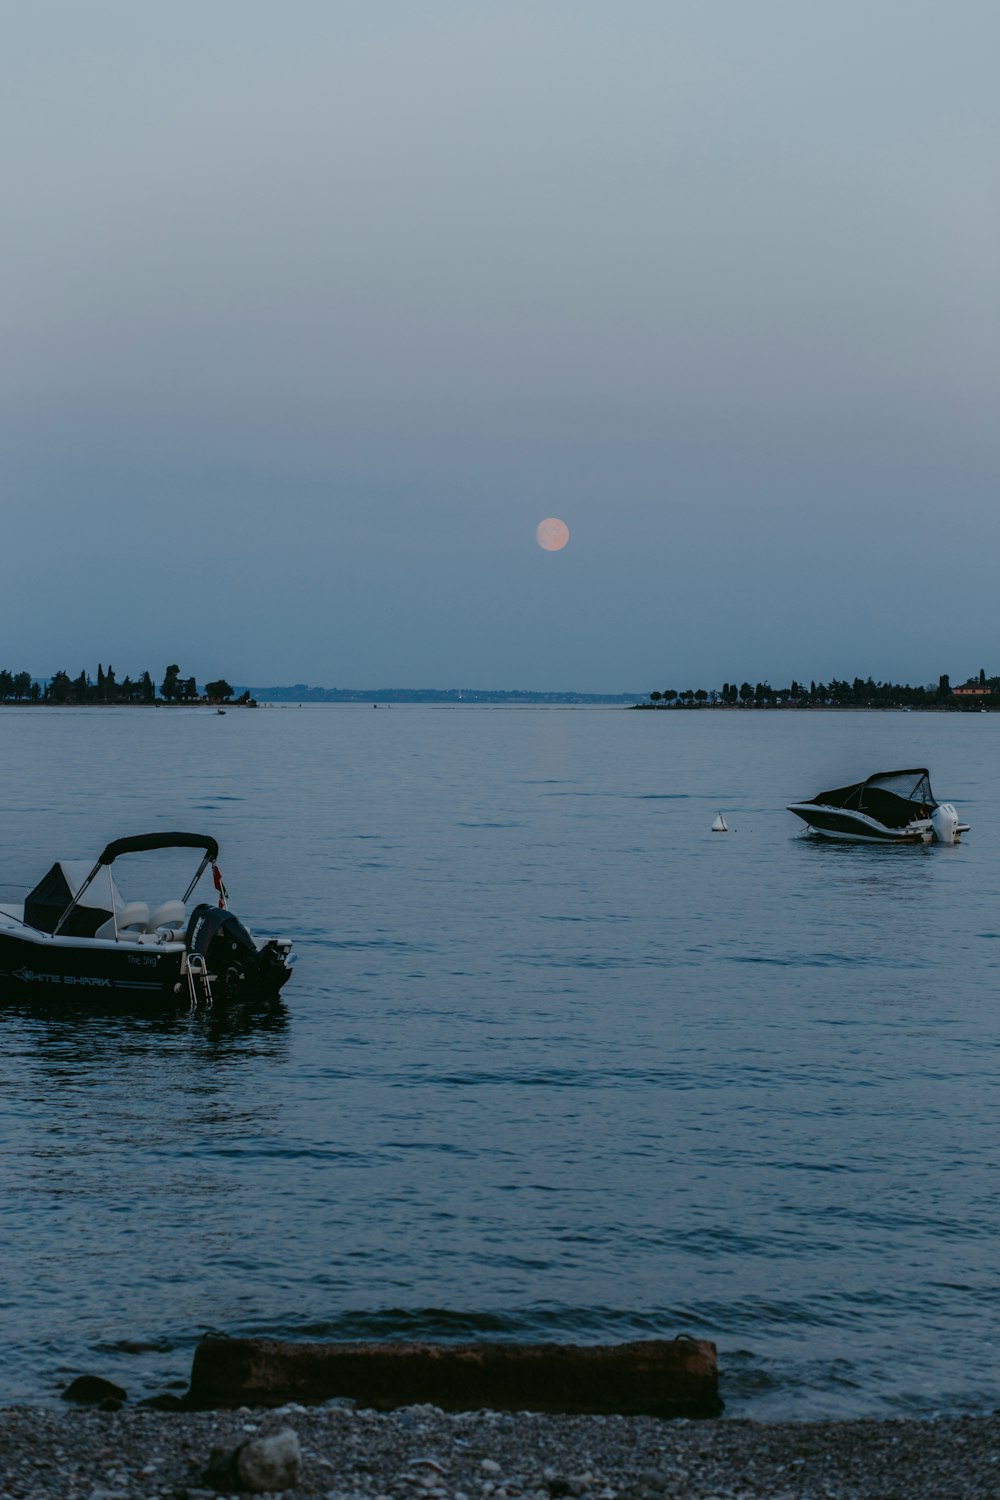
(653, 1377)
(257, 1465)
(421, 1451)
(91, 1390)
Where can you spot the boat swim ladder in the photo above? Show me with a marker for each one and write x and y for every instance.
(199, 980)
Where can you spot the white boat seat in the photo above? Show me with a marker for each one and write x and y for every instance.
(133, 916)
(131, 919)
(169, 914)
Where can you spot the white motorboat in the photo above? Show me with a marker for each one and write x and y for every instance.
(890, 807)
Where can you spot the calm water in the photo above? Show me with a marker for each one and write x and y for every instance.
(556, 1061)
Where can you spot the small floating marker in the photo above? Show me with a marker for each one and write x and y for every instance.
(719, 826)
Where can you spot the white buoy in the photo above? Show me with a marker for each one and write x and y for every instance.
(719, 826)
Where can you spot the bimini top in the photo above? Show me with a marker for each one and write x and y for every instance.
(892, 798)
(140, 842)
(66, 900)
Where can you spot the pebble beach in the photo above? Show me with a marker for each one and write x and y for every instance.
(420, 1451)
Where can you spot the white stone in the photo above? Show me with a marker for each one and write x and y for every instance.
(269, 1463)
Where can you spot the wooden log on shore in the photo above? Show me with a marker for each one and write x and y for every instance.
(663, 1378)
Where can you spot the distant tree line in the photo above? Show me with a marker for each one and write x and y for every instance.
(863, 692)
(21, 687)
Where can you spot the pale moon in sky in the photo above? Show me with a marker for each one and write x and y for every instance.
(552, 534)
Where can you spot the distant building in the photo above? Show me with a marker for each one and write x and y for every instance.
(972, 690)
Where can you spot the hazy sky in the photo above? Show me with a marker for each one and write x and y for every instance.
(311, 311)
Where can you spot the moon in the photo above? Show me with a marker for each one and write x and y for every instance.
(552, 534)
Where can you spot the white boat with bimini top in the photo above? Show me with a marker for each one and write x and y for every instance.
(890, 807)
(75, 935)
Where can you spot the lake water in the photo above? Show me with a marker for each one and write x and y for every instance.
(556, 1062)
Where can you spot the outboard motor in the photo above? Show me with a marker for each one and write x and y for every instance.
(274, 965)
(227, 948)
(944, 819)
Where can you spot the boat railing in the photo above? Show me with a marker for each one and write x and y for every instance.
(7, 915)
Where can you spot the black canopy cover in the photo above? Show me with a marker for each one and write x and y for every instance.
(53, 894)
(141, 842)
(893, 798)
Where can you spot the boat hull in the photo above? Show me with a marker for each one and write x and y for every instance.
(858, 828)
(48, 966)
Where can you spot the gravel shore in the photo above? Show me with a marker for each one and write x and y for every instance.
(420, 1452)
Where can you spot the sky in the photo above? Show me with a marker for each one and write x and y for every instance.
(310, 312)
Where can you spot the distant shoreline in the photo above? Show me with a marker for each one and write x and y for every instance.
(300, 693)
(521, 700)
(214, 705)
(815, 708)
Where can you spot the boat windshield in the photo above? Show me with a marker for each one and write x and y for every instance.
(913, 786)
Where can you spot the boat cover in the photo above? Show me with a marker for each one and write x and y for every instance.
(141, 842)
(55, 891)
(892, 798)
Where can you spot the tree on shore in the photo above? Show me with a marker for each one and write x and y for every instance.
(858, 692)
(221, 689)
(105, 688)
(170, 688)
